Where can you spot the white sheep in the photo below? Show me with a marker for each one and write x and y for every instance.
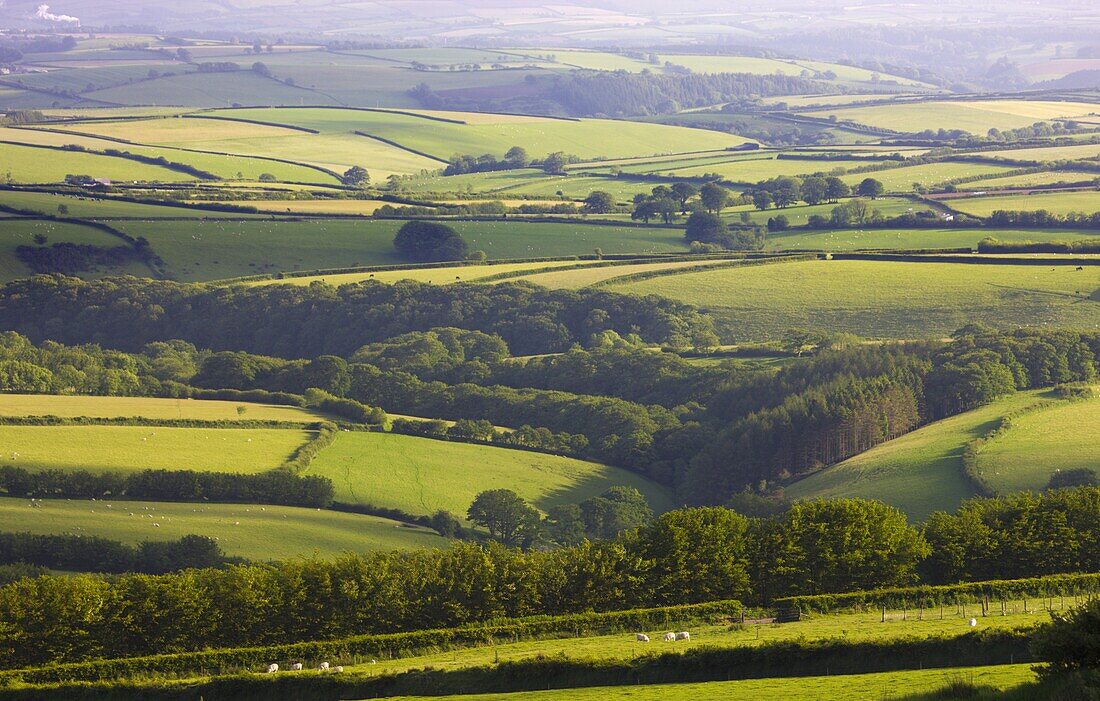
(297, 666)
(272, 668)
(973, 622)
(670, 637)
(641, 637)
(338, 669)
(323, 667)
(683, 635)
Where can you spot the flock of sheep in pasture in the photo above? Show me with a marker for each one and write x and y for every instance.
(669, 637)
(324, 666)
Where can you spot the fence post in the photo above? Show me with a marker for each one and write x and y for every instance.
(883, 614)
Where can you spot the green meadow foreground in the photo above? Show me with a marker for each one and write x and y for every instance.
(912, 685)
(420, 475)
(882, 299)
(250, 531)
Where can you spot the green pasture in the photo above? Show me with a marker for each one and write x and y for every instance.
(930, 175)
(242, 530)
(440, 275)
(1046, 177)
(1041, 443)
(751, 171)
(593, 60)
(1086, 201)
(210, 90)
(196, 250)
(421, 475)
(919, 472)
(1049, 153)
(80, 80)
(799, 214)
(528, 183)
(27, 164)
(149, 408)
(590, 275)
(910, 239)
(853, 687)
(135, 448)
(104, 208)
(880, 299)
(219, 164)
(485, 133)
(852, 627)
(976, 117)
(336, 150)
(19, 231)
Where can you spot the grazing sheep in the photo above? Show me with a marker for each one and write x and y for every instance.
(670, 637)
(323, 667)
(683, 635)
(297, 666)
(1080, 267)
(272, 668)
(641, 637)
(973, 622)
(338, 669)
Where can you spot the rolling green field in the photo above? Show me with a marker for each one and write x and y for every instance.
(483, 133)
(977, 116)
(1041, 443)
(447, 275)
(929, 175)
(881, 299)
(751, 171)
(1087, 201)
(919, 472)
(910, 239)
(148, 407)
(1047, 177)
(134, 448)
(106, 208)
(1049, 153)
(861, 687)
(17, 231)
(219, 249)
(798, 215)
(242, 530)
(28, 164)
(421, 475)
(583, 277)
(210, 90)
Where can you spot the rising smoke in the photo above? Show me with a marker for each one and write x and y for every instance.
(44, 13)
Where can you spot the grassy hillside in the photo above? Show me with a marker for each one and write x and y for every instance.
(242, 530)
(1041, 443)
(28, 164)
(129, 448)
(919, 472)
(930, 175)
(149, 408)
(17, 231)
(883, 299)
(910, 239)
(421, 475)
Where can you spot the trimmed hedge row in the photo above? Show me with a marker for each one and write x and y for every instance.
(390, 645)
(303, 456)
(793, 658)
(928, 595)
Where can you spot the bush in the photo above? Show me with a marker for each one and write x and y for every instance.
(429, 242)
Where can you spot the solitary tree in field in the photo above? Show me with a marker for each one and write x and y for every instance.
(506, 516)
(870, 188)
(835, 189)
(428, 242)
(684, 192)
(599, 202)
(356, 176)
(517, 157)
(715, 198)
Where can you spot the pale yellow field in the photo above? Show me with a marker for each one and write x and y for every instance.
(148, 407)
(583, 277)
(363, 207)
(447, 275)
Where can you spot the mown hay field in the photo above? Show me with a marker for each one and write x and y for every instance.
(70, 406)
(880, 299)
(242, 530)
(126, 448)
(422, 475)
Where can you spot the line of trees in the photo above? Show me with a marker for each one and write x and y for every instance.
(81, 553)
(685, 556)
